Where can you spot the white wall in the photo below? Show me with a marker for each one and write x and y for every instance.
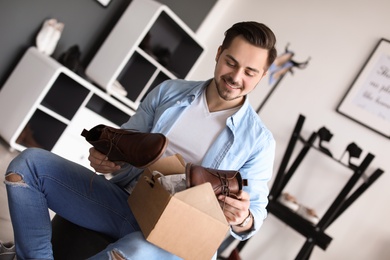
(339, 36)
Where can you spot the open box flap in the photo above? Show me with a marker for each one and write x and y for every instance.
(202, 197)
(174, 164)
(153, 197)
(182, 223)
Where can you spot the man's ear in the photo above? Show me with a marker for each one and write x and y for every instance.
(219, 51)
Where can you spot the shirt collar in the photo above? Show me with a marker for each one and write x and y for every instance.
(239, 115)
(236, 117)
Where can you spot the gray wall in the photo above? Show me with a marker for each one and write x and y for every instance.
(87, 24)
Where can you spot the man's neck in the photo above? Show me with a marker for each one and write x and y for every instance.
(216, 103)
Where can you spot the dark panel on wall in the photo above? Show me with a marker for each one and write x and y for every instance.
(87, 24)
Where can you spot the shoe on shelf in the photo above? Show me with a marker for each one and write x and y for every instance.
(289, 201)
(223, 182)
(7, 251)
(139, 149)
(325, 135)
(354, 151)
(308, 214)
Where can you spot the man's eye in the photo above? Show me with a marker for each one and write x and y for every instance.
(230, 64)
(250, 74)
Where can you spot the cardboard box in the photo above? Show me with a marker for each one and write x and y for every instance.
(189, 224)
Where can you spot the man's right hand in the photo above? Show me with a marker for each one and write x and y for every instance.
(100, 162)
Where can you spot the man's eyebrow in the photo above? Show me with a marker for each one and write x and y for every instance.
(249, 68)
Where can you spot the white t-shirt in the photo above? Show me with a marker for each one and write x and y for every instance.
(196, 129)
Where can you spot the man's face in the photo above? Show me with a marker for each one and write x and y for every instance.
(239, 68)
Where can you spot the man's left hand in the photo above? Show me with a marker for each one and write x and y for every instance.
(236, 210)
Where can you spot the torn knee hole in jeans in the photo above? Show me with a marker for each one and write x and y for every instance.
(115, 254)
(14, 178)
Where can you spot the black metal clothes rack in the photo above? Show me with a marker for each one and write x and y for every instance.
(314, 233)
(271, 91)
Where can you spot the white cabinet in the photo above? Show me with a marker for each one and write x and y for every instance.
(148, 45)
(44, 104)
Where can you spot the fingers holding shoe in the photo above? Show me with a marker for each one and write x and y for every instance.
(100, 162)
(236, 210)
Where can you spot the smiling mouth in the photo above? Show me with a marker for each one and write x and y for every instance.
(232, 85)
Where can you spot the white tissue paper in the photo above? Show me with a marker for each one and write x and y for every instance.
(172, 183)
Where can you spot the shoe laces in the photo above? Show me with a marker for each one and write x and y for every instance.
(116, 137)
(114, 141)
(225, 189)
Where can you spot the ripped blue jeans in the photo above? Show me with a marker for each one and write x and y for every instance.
(38, 180)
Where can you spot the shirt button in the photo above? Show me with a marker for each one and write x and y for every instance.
(178, 102)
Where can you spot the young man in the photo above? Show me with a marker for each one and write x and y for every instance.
(209, 123)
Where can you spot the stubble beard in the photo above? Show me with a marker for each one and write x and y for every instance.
(225, 93)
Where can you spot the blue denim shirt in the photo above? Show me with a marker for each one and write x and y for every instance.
(245, 145)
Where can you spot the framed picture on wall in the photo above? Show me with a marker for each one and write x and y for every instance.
(367, 101)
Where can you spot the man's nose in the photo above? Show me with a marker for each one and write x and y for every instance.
(237, 75)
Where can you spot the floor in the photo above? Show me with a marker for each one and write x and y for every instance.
(6, 233)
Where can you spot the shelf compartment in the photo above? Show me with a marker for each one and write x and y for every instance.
(171, 46)
(42, 130)
(107, 110)
(299, 224)
(65, 96)
(135, 76)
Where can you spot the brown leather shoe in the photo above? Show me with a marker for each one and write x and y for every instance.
(138, 149)
(224, 182)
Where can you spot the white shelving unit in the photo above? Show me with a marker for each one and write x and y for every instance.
(149, 44)
(44, 104)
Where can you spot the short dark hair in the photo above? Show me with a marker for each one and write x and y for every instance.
(255, 33)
